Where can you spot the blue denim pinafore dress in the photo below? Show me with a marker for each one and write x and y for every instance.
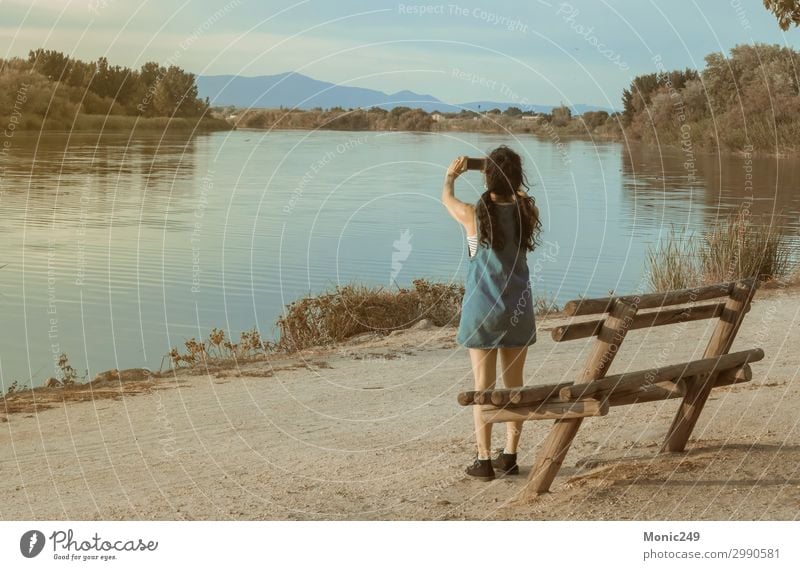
(497, 310)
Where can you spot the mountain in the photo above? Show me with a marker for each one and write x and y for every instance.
(295, 90)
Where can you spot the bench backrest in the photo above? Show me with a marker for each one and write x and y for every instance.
(668, 308)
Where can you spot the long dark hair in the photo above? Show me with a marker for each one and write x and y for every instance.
(504, 178)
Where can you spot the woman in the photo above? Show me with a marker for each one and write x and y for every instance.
(497, 317)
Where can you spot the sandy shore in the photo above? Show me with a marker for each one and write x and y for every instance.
(372, 430)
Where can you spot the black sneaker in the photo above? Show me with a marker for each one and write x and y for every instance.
(481, 470)
(506, 463)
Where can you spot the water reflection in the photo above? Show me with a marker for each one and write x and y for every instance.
(692, 195)
(80, 214)
(118, 249)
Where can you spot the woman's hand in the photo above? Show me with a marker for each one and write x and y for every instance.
(457, 167)
(464, 213)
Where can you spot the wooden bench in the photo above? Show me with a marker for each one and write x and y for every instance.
(593, 393)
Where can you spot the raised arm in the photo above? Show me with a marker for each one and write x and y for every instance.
(462, 212)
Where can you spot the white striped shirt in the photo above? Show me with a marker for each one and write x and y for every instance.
(472, 244)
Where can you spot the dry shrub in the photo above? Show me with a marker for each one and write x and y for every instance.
(217, 349)
(546, 304)
(794, 278)
(353, 309)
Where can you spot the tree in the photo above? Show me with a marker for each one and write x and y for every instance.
(397, 112)
(80, 74)
(594, 119)
(636, 98)
(787, 12)
(52, 64)
(750, 98)
(176, 94)
(561, 115)
(114, 82)
(513, 111)
(95, 87)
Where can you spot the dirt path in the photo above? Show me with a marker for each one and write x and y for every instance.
(373, 431)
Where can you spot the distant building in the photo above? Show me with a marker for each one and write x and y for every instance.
(437, 117)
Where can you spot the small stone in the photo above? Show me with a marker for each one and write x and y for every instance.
(127, 375)
(53, 383)
(423, 325)
(363, 337)
(106, 376)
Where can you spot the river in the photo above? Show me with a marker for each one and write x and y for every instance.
(116, 248)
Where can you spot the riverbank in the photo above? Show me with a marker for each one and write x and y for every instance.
(370, 429)
(589, 126)
(576, 130)
(104, 124)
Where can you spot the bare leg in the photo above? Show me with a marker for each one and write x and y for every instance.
(512, 361)
(484, 368)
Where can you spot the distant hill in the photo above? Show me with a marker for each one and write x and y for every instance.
(296, 90)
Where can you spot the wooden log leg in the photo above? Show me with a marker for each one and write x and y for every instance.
(688, 413)
(720, 343)
(557, 444)
(549, 461)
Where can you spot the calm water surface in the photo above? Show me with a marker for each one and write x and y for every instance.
(117, 249)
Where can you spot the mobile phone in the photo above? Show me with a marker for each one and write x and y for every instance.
(476, 163)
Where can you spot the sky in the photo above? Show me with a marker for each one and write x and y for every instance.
(530, 51)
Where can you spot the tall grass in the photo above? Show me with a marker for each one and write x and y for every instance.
(733, 248)
(673, 264)
(546, 304)
(737, 247)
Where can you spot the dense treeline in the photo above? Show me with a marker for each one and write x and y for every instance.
(51, 90)
(750, 100)
(337, 118)
(513, 119)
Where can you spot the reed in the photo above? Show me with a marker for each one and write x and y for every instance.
(738, 247)
(732, 248)
(673, 264)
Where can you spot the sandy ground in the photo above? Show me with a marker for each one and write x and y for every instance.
(372, 430)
